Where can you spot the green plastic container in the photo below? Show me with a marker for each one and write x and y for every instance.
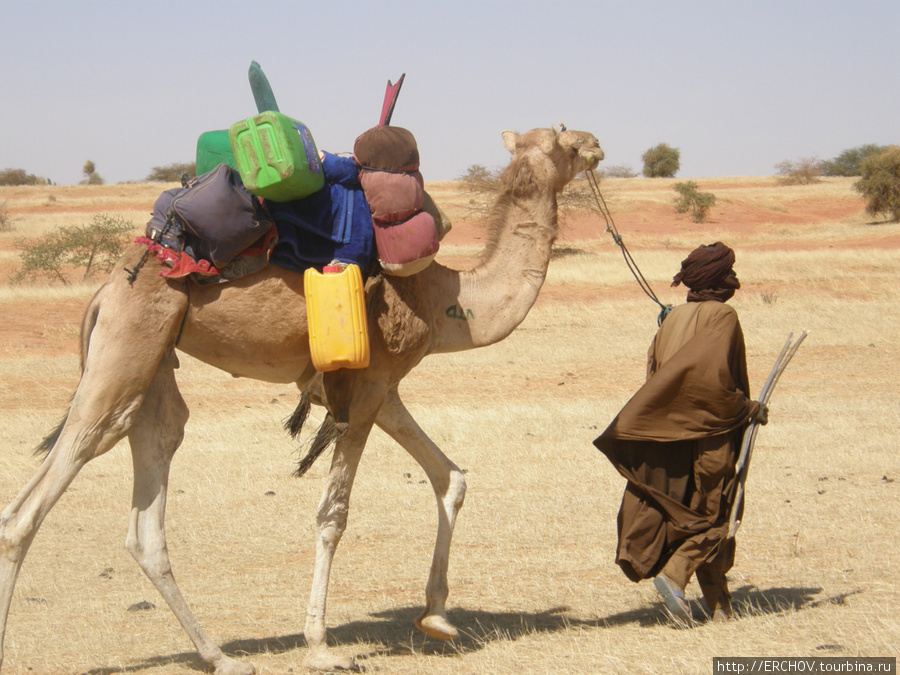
(214, 148)
(276, 157)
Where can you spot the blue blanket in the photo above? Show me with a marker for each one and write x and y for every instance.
(331, 224)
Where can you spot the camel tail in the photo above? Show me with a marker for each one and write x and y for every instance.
(327, 434)
(87, 327)
(294, 424)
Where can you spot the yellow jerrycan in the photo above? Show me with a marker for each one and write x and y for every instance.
(336, 315)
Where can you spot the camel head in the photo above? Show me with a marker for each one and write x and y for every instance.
(557, 156)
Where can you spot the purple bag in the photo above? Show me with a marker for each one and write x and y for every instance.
(217, 214)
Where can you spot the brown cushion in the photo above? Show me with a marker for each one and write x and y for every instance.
(391, 148)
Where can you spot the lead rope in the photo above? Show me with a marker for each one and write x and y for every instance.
(617, 238)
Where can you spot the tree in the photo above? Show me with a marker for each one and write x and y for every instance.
(691, 199)
(880, 182)
(172, 173)
(19, 177)
(661, 161)
(804, 171)
(91, 177)
(849, 162)
(94, 247)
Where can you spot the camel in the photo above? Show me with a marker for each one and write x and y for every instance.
(256, 327)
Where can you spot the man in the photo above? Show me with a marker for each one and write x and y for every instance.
(677, 441)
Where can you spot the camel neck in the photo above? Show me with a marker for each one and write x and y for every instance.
(492, 299)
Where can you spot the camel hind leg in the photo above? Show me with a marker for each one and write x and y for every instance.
(353, 399)
(155, 436)
(121, 358)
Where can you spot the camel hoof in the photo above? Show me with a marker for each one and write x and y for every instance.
(226, 666)
(327, 662)
(437, 627)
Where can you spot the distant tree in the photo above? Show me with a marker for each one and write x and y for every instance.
(661, 161)
(617, 171)
(172, 173)
(849, 162)
(804, 171)
(691, 200)
(20, 177)
(91, 177)
(880, 182)
(95, 247)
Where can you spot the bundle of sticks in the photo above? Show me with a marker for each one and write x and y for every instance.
(743, 462)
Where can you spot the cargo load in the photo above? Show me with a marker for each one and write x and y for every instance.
(276, 157)
(406, 234)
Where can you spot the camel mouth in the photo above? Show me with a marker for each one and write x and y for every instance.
(593, 162)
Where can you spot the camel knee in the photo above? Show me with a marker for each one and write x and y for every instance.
(456, 490)
(331, 526)
(153, 560)
(15, 537)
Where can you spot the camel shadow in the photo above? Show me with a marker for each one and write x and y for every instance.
(393, 629)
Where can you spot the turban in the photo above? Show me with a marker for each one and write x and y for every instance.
(708, 273)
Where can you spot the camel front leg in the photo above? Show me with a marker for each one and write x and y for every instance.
(449, 486)
(155, 436)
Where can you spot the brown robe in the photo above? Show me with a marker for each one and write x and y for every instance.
(676, 442)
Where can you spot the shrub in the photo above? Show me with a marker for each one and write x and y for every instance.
(172, 173)
(95, 247)
(849, 162)
(802, 172)
(480, 179)
(661, 161)
(6, 221)
(880, 182)
(19, 177)
(617, 171)
(693, 201)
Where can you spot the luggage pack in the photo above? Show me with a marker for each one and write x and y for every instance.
(276, 157)
(216, 215)
(406, 234)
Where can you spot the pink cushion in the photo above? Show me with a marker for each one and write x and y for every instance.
(393, 197)
(407, 241)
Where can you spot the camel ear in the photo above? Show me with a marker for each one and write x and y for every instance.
(509, 141)
(551, 141)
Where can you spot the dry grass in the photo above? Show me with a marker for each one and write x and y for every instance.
(533, 586)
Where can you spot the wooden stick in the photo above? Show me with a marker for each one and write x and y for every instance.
(784, 358)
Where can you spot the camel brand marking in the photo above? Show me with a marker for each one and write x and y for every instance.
(457, 312)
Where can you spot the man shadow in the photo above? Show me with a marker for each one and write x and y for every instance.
(393, 629)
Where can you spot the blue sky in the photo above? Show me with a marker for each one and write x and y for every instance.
(736, 86)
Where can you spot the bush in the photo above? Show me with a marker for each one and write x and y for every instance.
(802, 172)
(6, 221)
(172, 173)
(95, 247)
(849, 162)
(693, 201)
(617, 171)
(480, 179)
(20, 177)
(661, 161)
(880, 182)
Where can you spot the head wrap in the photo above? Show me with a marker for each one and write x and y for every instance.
(708, 273)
